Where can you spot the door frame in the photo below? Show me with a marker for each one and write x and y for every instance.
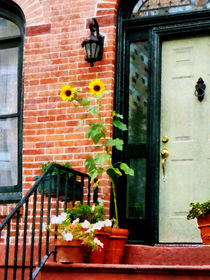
(159, 28)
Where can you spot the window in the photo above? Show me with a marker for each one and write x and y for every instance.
(161, 7)
(11, 56)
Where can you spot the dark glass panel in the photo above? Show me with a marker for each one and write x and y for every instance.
(138, 90)
(135, 207)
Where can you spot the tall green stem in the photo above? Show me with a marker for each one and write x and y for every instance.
(115, 203)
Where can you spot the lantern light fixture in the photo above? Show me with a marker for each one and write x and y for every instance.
(94, 44)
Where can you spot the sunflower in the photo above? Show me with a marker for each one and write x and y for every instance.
(96, 87)
(67, 93)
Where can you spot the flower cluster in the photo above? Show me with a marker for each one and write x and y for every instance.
(83, 231)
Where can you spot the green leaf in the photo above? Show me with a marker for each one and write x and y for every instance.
(118, 143)
(126, 169)
(115, 114)
(101, 158)
(119, 125)
(114, 173)
(94, 110)
(84, 101)
(90, 164)
(92, 169)
(96, 132)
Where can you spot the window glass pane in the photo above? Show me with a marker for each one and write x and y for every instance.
(161, 7)
(136, 189)
(138, 89)
(8, 80)
(8, 28)
(8, 152)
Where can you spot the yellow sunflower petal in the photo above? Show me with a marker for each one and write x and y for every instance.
(67, 93)
(96, 87)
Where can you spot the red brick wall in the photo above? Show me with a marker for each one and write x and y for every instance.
(53, 56)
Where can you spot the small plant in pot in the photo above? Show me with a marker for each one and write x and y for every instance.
(101, 162)
(95, 215)
(73, 186)
(201, 211)
(78, 237)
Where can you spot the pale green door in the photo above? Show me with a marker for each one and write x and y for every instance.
(186, 122)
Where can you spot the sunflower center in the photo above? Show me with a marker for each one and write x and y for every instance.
(97, 88)
(68, 92)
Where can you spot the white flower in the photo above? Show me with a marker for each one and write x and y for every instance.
(107, 223)
(93, 207)
(55, 220)
(58, 219)
(98, 225)
(67, 236)
(97, 241)
(63, 216)
(85, 224)
(75, 221)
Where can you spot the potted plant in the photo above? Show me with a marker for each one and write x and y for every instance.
(101, 162)
(201, 211)
(77, 238)
(72, 183)
(95, 215)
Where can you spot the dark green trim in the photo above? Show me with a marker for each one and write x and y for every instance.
(157, 29)
(11, 11)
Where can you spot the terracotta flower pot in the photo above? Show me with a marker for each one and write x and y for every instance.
(204, 226)
(115, 250)
(98, 256)
(70, 251)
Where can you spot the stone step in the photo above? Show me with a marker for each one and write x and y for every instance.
(160, 262)
(58, 271)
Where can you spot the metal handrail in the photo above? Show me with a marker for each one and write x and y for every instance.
(31, 213)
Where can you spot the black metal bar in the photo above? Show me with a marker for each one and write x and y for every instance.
(37, 269)
(48, 215)
(7, 250)
(41, 223)
(65, 191)
(89, 191)
(95, 193)
(16, 245)
(82, 186)
(33, 235)
(24, 240)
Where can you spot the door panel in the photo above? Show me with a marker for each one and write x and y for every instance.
(186, 122)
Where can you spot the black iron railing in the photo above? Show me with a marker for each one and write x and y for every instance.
(27, 244)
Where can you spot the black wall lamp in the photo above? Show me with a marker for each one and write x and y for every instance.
(93, 45)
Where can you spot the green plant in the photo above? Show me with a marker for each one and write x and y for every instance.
(198, 210)
(92, 214)
(55, 169)
(101, 162)
(69, 230)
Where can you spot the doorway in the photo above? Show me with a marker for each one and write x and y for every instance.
(155, 91)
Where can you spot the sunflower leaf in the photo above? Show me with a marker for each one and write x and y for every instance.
(114, 173)
(96, 132)
(84, 101)
(126, 169)
(119, 125)
(118, 143)
(101, 158)
(115, 114)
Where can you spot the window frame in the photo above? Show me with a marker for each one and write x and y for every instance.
(12, 12)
